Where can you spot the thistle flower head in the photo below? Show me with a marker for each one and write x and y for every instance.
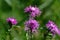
(12, 21)
(31, 25)
(53, 27)
(34, 11)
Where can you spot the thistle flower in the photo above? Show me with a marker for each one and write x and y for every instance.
(12, 21)
(34, 11)
(31, 25)
(53, 27)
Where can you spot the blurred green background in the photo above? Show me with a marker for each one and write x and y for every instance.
(15, 8)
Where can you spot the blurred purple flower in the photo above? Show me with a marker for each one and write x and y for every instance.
(53, 27)
(32, 25)
(12, 21)
(34, 11)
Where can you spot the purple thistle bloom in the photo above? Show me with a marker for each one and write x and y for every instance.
(53, 27)
(12, 21)
(31, 25)
(34, 11)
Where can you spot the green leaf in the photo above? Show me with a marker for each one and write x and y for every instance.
(45, 4)
(9, 2)
(17, 33)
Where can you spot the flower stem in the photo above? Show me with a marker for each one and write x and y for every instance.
(9, 31)
(10, 37)
(29, 35)
(47, 34)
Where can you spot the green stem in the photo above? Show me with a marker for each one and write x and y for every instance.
(47, 34)
(9, 33)
(29, 35)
